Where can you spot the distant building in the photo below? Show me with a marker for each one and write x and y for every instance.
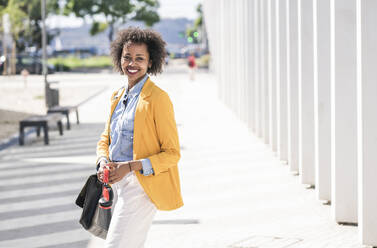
(79, 41)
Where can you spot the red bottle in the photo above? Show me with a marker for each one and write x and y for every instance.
(106, 200)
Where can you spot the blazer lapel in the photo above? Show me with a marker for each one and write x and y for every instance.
(115, 100)
(114, 103)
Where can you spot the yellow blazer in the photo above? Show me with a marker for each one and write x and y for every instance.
(156, 138)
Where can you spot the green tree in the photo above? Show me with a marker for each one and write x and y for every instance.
(25, 24)
(192, 33)
(31, 35)
(115, 12)
(17, 19)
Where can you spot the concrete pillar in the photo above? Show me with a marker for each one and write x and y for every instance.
(221, 73)
(322, 101)
(239, 66)
(213, 22)
(283, 90)
(256, 68)
(227, 52)
(367, 123)
(262, 75)
(343, 104)
(293, 70)
(250, 63)
(266, 72)
(273, 74)
(243, 61)
(222, 43)
(306, 95)
(212, 32)
(233, 56)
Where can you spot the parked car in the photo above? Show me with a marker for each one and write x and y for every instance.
(2, 61)
(33, 64)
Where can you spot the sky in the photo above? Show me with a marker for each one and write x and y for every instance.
(178, 8)
(168, 9)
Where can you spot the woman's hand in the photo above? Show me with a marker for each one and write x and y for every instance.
(118, 171)
(100, 170)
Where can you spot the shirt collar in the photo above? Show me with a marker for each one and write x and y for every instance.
(136, 89)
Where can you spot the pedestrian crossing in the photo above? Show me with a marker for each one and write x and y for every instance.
(39, 185)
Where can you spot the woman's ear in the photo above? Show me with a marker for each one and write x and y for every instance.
(150, 64)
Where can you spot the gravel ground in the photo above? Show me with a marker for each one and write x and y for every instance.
(19, 99)
(9, 122)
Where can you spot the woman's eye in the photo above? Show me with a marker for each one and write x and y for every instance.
(139, 59)
(127, 58)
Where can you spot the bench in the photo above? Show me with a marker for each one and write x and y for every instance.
(65, 110)
(40, 121)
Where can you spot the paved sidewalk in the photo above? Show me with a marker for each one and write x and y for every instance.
(236, 193)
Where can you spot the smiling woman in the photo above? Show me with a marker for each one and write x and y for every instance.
(140, 143)
(152, 40)
(135, 62)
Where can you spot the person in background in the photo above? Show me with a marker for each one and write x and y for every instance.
(140, 141)
(191, 65)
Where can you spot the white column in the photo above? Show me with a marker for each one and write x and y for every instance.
(250, 63)
(238, 65)
(226, 47)
(243, 61)
(277, 83)
(283, 90)
(213, 18)
(322, 101)
(233, 60)
(293, 85)
(367, 123)
(273, 73)
(256, 68)
(266, 70)
(261, 68)
(222, 41)
(306, 96)
(343, 103)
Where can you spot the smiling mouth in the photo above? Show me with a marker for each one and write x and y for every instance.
(132, 71)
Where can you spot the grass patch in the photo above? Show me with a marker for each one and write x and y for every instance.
(69, 63)
(39, 97)
(203, 61)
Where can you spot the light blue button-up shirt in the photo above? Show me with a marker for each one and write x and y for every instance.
(122, 128)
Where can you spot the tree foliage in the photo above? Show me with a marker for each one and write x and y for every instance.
(32, 34)
(192, 32)
(25, 20)
(114, 12)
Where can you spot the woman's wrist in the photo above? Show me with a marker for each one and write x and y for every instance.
(135, 165)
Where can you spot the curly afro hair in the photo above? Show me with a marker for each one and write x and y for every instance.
(155, 44)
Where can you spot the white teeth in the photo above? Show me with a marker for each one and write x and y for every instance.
(132, 71)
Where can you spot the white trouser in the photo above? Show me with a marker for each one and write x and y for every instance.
(132, 214)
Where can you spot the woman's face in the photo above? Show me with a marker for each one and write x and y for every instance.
(135, 61)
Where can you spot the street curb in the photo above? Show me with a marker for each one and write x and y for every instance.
(13, 140)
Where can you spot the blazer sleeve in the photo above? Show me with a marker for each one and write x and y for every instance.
(167, 134)
(104, 141)
(103, 145)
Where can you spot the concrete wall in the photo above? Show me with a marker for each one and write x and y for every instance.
(302, 76)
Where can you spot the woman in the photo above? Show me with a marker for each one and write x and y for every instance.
(192, 66)
(140, 141)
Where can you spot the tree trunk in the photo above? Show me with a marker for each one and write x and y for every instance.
(111, 32)
(5, 71)
(13, 60)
